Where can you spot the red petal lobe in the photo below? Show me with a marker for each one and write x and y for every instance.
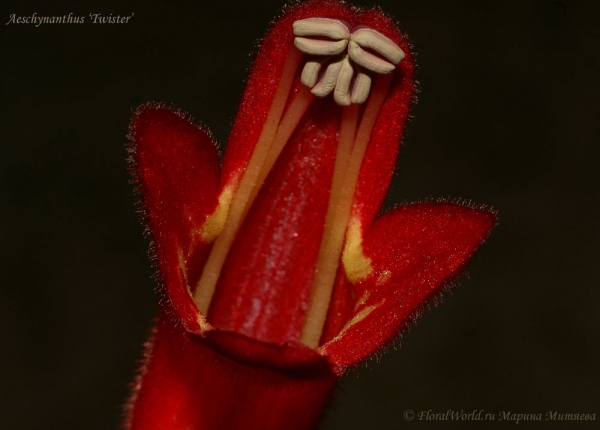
(176, 166)
(414, 250)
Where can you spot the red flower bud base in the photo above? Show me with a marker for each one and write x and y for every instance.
(277, 275)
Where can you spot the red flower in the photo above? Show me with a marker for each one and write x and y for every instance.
(277, 276)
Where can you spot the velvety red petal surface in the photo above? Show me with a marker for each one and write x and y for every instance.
(415, 251)
(176, 166)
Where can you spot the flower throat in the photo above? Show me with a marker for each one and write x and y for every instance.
(280, 231)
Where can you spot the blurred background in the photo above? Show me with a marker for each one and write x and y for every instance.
(507, 116)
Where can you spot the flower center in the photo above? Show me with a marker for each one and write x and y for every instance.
(290, 175)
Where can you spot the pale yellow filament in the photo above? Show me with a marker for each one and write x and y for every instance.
(206, 285)
(340, 204)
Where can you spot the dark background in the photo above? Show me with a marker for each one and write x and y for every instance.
(507, 116)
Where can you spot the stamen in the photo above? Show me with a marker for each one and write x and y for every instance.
(328, 253)
(326, 84)
(361, 88)
(321, 27)
(347, 169)
(310, 73)
(341, 95)
(320, 47)
(374, 40)
(206, 285)
(369, 61)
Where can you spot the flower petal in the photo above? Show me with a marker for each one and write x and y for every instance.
(176, 166)
(414, 251)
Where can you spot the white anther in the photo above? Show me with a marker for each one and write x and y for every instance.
(327, 82)
(369, 61)
(365, 49)
(320, 47)
(321, 27)
(361, 88)
(341, 95)
(374, 40)
(310, 73)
